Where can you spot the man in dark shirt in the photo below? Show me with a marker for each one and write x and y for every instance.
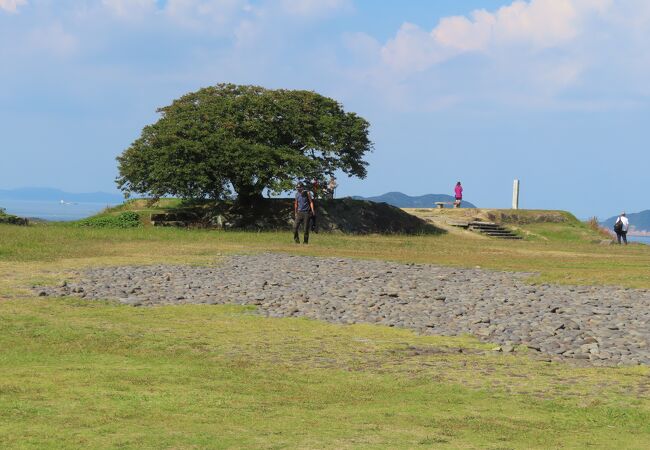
(303, 208)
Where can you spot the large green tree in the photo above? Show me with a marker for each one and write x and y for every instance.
(230, 139)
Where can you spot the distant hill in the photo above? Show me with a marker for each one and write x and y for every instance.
(640, 221)
(397, 199)
(405, 201)
(50, 194)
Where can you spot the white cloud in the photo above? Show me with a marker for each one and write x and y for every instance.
(462, 34)
(11, 5)
(564, 54)
(207, 15)
(53, 40)
(249, 22)
(412, 49)
(130, 9)
(536, 25)
(361, 45)
(559, 75)
(314, 8)
(247, 32)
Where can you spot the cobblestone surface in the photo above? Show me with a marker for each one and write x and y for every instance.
(594, 325)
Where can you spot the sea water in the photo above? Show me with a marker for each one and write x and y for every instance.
(52, 210)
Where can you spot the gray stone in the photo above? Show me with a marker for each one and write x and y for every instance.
(131, 301)
(600, 325)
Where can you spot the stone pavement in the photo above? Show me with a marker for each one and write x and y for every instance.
(591, 325)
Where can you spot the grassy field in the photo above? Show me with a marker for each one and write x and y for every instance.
(78, 374)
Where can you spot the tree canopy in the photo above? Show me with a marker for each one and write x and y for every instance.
(230, 139)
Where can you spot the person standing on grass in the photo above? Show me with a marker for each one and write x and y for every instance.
(303, 209)
(458, 195)
(621, 226)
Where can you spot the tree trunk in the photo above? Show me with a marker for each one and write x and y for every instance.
(248, 196)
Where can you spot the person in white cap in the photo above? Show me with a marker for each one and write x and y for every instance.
(621, 226)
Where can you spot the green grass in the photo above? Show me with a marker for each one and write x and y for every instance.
(559, 253)
(143, 204)
(126, 219)
(99, 375)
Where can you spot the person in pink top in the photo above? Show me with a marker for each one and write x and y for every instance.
(458, 191)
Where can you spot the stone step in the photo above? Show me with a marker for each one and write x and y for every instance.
(486, 227)
(490, 229)
(458, 224)
(501, 235)
(478, 222)
(474, 227)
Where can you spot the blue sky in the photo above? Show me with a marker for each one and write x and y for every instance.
(553, 92)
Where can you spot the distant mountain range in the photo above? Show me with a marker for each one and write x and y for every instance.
(406, 201)
(49, 194)
(56, 195)
(639, 221)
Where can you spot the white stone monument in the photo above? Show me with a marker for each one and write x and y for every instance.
(515, 194)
